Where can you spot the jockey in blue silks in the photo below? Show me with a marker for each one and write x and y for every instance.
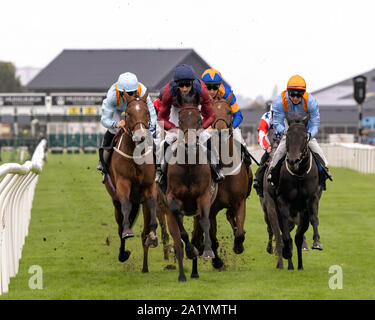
(218, 89)
(112, 107)
(295, 100)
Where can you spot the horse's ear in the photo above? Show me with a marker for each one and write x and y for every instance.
(126, 96)
(229, 98)
(144, 97)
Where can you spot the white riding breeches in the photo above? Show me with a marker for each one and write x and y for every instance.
(281, 151)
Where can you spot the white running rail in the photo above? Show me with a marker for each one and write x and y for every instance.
(359, 157)
(17, 185)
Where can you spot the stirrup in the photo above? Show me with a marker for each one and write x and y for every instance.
(219, 175)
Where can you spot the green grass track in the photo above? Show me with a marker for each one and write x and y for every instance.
(73, 238)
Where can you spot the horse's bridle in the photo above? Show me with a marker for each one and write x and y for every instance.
(305, 153)
(229, 125)
(129, 131)
(186, 108)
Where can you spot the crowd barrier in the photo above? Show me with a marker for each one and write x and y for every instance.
(17, 185)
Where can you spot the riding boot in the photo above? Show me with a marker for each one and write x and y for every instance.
(246, 156)
(323, 176)
(216, 169)
(259, 174)
(105, 154)
(274, 173)
(258, 180)
(161, 170)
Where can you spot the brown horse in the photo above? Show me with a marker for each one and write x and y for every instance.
(132, 178)
(234, 190)
(188, 190)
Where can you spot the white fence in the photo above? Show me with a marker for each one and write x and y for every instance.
(17, 185)
(354, 156)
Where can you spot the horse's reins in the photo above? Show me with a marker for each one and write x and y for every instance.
(127, 155)
(300, 161)
(229, 125)
(129, 132)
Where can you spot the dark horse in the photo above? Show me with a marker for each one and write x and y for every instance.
(188, 190)
(297, 196)
(132, 178)
(233, 191)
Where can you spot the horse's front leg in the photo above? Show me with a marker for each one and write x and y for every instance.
(204, 204)
(178, 247)
(217, 262)
(312, 207)
(196, 240)
(175, 206)
(123, 188)
(239, 236)
(123, 254)
(284, 210)
(299, 237)
(273, 226)
(151, 203)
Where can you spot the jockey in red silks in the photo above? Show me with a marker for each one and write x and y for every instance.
(185, 83)
(266, 135)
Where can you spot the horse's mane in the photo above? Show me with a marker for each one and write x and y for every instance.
(191, 99)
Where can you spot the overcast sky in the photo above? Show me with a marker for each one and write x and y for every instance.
(256, 45)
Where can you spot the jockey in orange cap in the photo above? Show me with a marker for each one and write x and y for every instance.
(296, 100)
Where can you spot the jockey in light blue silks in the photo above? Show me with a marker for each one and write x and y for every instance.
(218, 89)
(112, 107)
(295, 100)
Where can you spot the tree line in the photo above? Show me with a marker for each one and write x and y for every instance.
(9, 82)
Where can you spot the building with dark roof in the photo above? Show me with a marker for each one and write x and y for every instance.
(97, 70)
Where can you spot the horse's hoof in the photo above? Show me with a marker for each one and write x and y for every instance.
(280, 265)
(127, 234)
(208, 254)
(238, 248)
(145, 270)
(192, 252)
(182, 278)
(123, 256)
(194, 276)
(152, 240)
(217, 263)
(317, 246)
(269, 248)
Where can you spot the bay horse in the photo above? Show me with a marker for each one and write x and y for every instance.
(233, 191)
(132, 178)
(188, 188)
(297, 197)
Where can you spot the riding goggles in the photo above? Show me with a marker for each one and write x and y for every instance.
(186, 84)
(131, 93)
(213, 86)
(296, 93)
